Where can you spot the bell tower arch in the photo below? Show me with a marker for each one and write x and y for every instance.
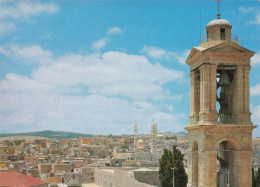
(220, 118)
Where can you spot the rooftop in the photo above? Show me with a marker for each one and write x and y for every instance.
(8, 178)
(108, 170)
(143, 169)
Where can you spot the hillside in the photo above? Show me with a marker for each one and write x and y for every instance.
(49, 134)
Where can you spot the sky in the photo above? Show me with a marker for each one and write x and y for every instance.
(101, 66)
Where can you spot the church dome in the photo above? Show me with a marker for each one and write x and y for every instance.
(219, 22)
(218, 30)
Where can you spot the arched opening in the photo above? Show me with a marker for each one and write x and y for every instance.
(195, 164)
(227, 170)
(222, 34)
(225, 94)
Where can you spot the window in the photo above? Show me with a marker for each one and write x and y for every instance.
(207, 36)
(222, 34)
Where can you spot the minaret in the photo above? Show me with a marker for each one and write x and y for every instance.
(135, 135)
(153, 141)
(220, 127)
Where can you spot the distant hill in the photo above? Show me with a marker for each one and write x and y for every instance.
(49, 134)
(183, 133)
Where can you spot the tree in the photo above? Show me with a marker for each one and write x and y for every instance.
(171, 137)
(253, 178)
(18, 142)
(8, 143)
(168, 161)
(257, 178)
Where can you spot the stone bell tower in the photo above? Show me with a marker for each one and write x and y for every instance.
(220, 127)
(153, 140)
(135, 135)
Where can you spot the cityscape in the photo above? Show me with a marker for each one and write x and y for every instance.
(129, 94)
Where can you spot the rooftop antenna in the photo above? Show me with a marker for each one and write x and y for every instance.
(236, 21)
(200, 28)
(218, 15)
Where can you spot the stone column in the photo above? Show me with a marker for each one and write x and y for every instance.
(194, 97)
(208, 113)
(195, 169)
(190, 168)
(212, 168)
(245, 168)
(241, 102)
(247, 113)
(201, 166)
(208, 168)
(213, 90)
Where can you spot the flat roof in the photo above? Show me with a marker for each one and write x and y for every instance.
(90, 185)
(108, 170)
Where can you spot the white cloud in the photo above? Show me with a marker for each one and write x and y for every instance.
(111, 74)
(169, 107)
(245, 10)
(153, 52)
(256, 21)
(164, 119)
(159, 53)
(256, 59)
(181, 56)
(17, 84)
(255, 11)
(2, 1)
(5, 28)
(26, 9)
(88, 93)
(99, 44)
(90, 114)
(255, 91)
(143, 107)
(114, 31)
(33, 54)
(21, 10)
(3, 51)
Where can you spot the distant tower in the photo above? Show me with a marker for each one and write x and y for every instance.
(220, 127)
(135, 135)
(153, 137)
(140, 146)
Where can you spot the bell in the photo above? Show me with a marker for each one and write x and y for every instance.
(224, 80)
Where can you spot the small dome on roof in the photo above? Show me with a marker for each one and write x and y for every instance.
(140, 140)
(219, 22)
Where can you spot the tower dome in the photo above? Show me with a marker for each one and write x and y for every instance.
(218, 22)
(218, 31)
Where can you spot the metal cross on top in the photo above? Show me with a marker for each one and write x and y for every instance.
(218, 15)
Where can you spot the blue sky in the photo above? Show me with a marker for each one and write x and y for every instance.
(101, 66)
